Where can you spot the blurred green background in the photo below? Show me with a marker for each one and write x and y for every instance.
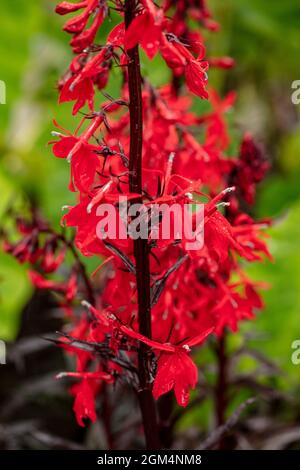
(264, 38)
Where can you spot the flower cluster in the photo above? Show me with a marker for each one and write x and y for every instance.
(184, 160)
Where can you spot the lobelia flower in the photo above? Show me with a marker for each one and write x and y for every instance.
(185, 160)
(85, 71)
(84, 404)
(83, 156)
(217, 134)
(69, 289)
(83, 38)
(179, 58)
(221, 62)
(50, 260)
(251, 168)
(80, 92)
(146, 29)
(175, 369)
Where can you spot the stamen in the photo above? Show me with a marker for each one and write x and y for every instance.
(56, 134)
(169, 169)
(86, 304)
(98, 196)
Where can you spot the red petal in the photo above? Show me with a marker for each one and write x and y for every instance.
(149, 342)
(165, 376)
(85, 38)
(176, 371)
(65, 7)
(84, 405)
(200, 338)
(196, 78)
(77, 24)
(136, 30)
(117, 35)
(84, 165)
(63, 147)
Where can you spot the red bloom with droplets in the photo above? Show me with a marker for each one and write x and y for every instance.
(149, 301)
(175, 369)
(146, 29)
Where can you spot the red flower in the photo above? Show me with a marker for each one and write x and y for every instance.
(64, 8)
(76, 25)
(69, 289)
(146, 29)
(84, 73)
(86, 238)
(41, 283)
(80, 331)
(80, 92)
(251, 168)
(83, 39)
(221, 62)
(217, 134)
(51, 261)
(180, 158)
(177, 56)
(175, 369)
(84, 404)
(85, 393)
(196, 77)
(83, 156)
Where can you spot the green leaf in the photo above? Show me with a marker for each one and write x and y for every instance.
(15, 290)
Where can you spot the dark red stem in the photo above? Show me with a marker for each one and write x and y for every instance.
(141, 250)
(106, 417)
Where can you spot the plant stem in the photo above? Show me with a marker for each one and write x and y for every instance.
(106, 415)
(165, 411)
(141, 251)
(85, 277)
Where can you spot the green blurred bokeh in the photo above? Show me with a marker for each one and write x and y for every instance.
(263, 37)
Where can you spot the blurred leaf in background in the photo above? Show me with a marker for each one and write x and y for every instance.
(30, 59)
